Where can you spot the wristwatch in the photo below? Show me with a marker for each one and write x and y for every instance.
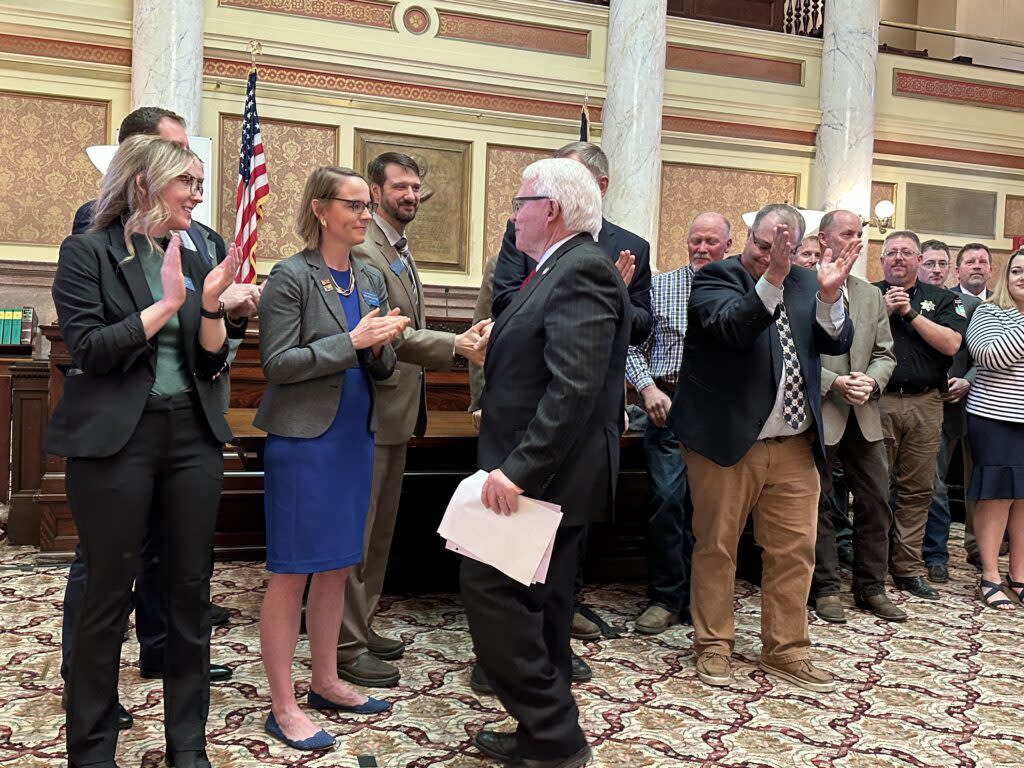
(909, 317)
(218, 315)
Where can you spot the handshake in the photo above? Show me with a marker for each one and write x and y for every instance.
(472, 343)
(855, 387)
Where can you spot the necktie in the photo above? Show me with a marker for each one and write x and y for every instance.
(402, 246)
(794, 405)
(528, 278)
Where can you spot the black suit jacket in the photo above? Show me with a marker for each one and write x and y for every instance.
(99, 293)
(554, 376)
(732, 359)
(513, 266)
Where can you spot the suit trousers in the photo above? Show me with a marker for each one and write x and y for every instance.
(867, 476)
(912, 425)
(366, 580)
(521, 638)
(778, 482)
(169, 474)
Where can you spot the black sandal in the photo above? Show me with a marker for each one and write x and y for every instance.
(1017, 587)
(987, 590)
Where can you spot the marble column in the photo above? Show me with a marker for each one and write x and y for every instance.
(167, 57)
(842, 164)
(631, 116)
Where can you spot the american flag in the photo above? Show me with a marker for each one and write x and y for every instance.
(253, 185)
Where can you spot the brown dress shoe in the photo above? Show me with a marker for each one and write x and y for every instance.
(801, 673)
(881, 606)
(655, 620)
(714, 669)
(368, 671)
(386, 648)
(583, 628)
(828, 608)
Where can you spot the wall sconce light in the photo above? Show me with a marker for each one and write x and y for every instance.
(884, 210)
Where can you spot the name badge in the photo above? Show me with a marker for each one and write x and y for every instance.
(371, 299)
(327, 285)
(398, 266)
(188, 284)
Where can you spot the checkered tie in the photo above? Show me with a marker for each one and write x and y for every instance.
(402, 246)
(794, 401)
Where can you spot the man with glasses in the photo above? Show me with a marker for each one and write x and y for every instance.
(928, 323)
(935, 265)
(401, 410)
(748, 414)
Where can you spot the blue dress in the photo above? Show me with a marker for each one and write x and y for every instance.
(316, 491)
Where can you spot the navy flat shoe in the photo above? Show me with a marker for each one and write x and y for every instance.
(318, 741)
(371, 706)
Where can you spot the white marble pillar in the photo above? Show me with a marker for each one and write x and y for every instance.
(631, 116)
(842, 165)
(167, 57)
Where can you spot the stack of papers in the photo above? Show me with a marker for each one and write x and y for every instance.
(518, 545)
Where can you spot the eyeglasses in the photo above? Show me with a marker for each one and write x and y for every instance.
(519, 202)
(935, 264)
(356, 206)
(906, 253)
(194, 184)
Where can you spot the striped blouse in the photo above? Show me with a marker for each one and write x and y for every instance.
(995, 339)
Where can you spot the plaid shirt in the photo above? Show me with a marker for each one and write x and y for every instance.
(661, 355)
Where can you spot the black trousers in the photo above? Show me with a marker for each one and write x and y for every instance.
(866, 470)
(521, 638)
(169, 475)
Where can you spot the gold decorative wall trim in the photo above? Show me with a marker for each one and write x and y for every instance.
(689, 58)
(949, 154)
(514, 34)
(955, 90)
(737, 130)
(367, 13)
(65, 49)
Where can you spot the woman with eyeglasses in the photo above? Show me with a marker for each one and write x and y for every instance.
(995, 427)
(141, 426)
(325, 337)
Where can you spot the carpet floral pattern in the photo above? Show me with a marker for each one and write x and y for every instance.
(944, 689)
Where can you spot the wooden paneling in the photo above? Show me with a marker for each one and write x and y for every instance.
(30, 415)
(759, 14)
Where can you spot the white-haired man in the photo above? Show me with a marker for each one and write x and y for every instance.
(550, 429)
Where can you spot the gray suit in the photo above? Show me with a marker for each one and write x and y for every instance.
(305, 346)
(858, 443)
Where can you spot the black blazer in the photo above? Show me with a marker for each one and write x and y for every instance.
(513, 266)
(732, 360)
(99, 293)
(554, 377)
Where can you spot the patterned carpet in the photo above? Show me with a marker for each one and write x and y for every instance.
(944, 689)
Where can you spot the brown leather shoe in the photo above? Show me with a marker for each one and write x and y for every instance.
(881, 606)
(386, 648)
(655, 620)
(583, 628)
(801, 673)
(368, 671)
(714, 669)
(830, 609)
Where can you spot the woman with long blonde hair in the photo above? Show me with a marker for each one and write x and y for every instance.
(142, 430)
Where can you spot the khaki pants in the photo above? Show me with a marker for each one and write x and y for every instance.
(777, 480)
(912, 425)
(366, 580)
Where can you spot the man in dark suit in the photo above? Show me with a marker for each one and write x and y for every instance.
(240, 303)
(550, 429)
(632, 256)
(747, 411)
(934, 269)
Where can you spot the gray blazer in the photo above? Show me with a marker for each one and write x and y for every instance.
(871, 353)
(305, 347)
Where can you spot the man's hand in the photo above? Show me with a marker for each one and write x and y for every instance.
(472, 344)
(834, 269)
(780, 264)
(657, 404)
(854, 388)
(241, 300)
(958, 389)
(897, 300)
(485, 333)
(626, 264)
(499, 494)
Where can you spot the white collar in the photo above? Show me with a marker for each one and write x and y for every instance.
(389, 232)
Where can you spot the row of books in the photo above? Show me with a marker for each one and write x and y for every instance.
(18, 326)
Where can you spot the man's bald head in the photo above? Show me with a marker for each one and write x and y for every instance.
(837, 229)
(708, 239)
